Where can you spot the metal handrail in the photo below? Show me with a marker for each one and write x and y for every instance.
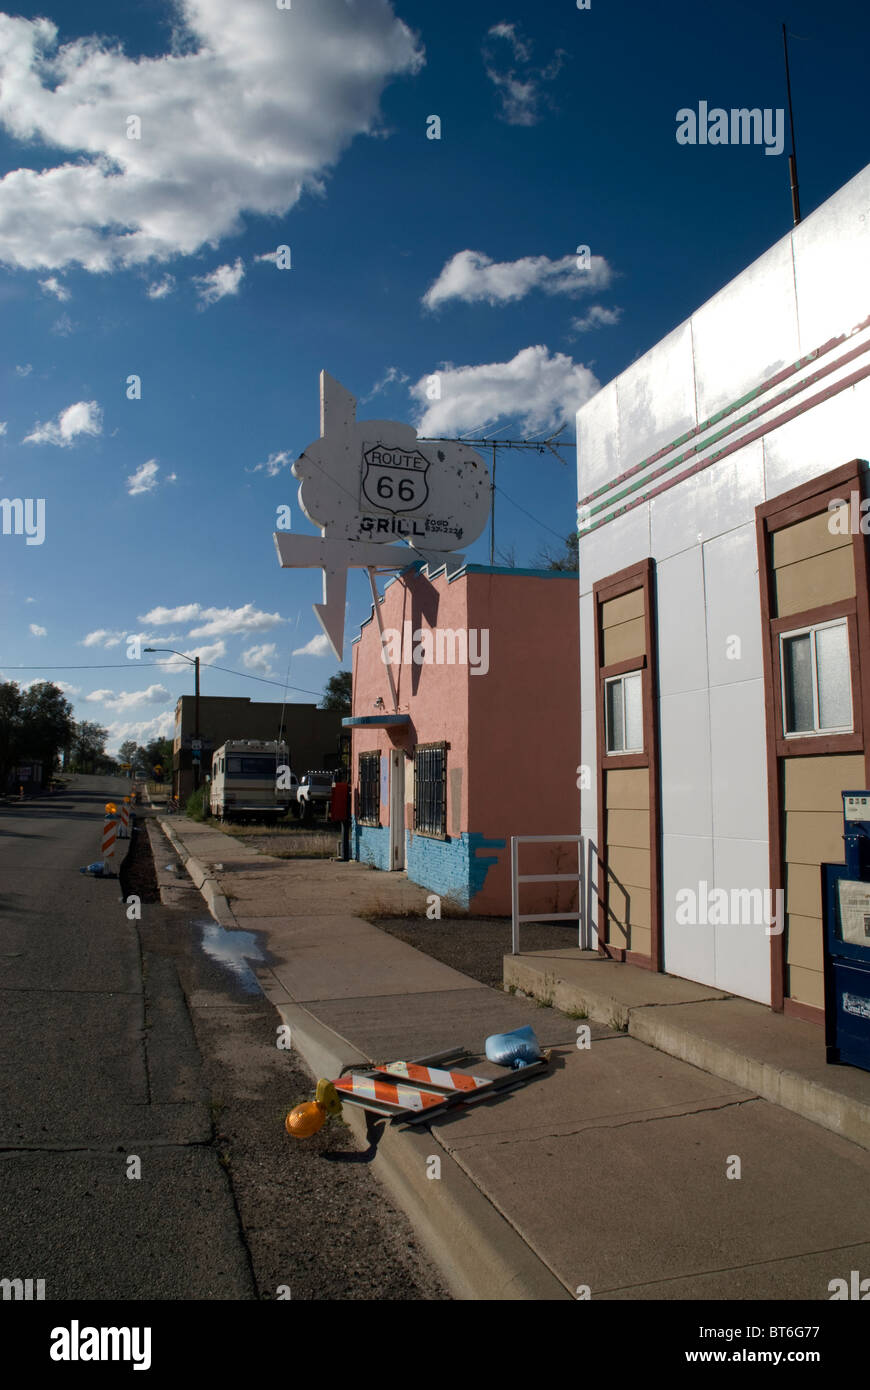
(581, 916)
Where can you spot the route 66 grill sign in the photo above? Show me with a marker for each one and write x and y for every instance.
(394, 479)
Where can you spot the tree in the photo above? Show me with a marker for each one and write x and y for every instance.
(47, 724)
(127, 751)
(337, 695)
(159, 754)
(566, 561)
(89, 746)
(10, 729)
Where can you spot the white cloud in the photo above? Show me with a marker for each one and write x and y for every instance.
(391, 376)
(260, 658)
(318, 646)
(25, 370)
(215, 652)
(159, 289)
(274, 464)
(143, 731)
(166, 617)
(596, 316)
(37, 630)
(63, 326)
(129, 699)
(102, 637)
(224, 280)
(538, 390)
(251, 107)
(84, 417)
(53, 286)
(30, 600)
(520, 85)
(221, 622)
(144, 479)
(472, 276)
(2, 426)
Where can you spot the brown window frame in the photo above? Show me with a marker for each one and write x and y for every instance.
(799, 504)
(637, 576)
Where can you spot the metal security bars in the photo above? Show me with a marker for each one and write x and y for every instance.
(430, 789)
(370, 788)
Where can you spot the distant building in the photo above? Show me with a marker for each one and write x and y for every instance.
(482, 741)
(312, 735)
(725, 623)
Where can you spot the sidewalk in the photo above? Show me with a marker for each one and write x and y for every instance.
(609, 1172)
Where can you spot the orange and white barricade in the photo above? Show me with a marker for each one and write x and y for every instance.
(110, 836)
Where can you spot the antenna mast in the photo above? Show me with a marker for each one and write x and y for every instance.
(792, 159)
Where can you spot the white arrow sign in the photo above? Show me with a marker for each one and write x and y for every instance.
(368, 484)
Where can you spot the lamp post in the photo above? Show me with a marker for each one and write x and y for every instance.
(194, 660)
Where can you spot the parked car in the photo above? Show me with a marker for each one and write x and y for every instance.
(314, 793)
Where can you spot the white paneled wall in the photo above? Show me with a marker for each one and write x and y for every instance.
(809, 288)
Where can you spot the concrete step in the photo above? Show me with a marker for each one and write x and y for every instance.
(779, 1058)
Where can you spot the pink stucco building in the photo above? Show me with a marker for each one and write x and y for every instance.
(476, 739)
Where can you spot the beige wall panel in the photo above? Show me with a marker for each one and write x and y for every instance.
(803, 944)
(640, 940)
(633, 902)
(629, 866)
(806, 986)
(803, 890)
(627, 789)
(815, 784)
(629, 828)
(811, 583)
(622, 610)
(814, 837)
(624, 641)
(808, 538)
(617, 932)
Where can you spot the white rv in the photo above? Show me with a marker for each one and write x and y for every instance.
(251, 777)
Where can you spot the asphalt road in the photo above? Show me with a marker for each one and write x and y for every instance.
(123, 1040)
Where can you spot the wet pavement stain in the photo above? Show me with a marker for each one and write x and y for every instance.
(232, 950)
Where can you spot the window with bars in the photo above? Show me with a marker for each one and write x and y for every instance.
(369, 788)
(430, 789)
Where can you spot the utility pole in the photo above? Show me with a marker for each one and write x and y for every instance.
(792, 159)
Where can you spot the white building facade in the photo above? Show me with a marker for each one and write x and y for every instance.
(724, 625)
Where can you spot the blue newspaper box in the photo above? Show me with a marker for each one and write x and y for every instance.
(846, 907)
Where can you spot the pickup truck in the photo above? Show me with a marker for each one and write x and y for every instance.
(314, 791)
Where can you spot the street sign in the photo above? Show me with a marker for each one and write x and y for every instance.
(368, 484)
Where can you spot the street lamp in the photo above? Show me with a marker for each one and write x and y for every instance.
(194, 660)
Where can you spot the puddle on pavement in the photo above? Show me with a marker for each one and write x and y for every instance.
(232, 950)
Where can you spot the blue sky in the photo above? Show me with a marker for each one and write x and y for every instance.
(307, 127)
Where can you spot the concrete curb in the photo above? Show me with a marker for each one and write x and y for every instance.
(479, 1253)
(202, 879)
(805, 1097)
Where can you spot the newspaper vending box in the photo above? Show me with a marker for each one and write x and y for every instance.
(846, 908)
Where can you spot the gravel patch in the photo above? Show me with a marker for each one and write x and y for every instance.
(476, 945)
